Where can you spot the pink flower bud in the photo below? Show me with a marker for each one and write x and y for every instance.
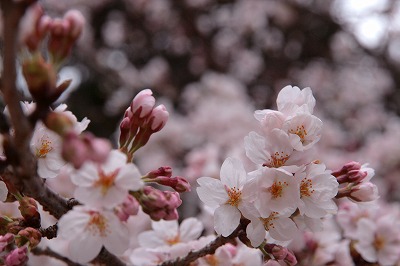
(128, 208)
(77, 21)
(6, 240)
(178, 183)
(17, 257)
(290, 259)
(143, 103)
(272, 263)
(124, 128)
(364, 192)
(158, 118)
(160, 204)
(162, 171)
(350, 166)
(78, 149)
(28, 34)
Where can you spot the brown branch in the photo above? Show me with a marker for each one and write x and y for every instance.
(51, 253)
(23, 175)
(209, 249)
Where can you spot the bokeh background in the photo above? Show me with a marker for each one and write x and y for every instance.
(213, 62)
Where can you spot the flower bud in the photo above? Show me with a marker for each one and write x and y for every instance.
(364, 192)
(161, 171)
(158, 118)
(29, 210)
(40, 77)
(129, 207)
(78, 149)
(59, 123)
(28, 235)
(17, 257)
(143, 103)
(6, 240)
(76, 21)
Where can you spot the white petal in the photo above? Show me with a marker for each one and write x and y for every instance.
(233, 173)
(211, 191)
(85, 176)
(255, 232)
(116, 159)
(226, 219)
(116, 241)
(129, 178)
(190, 229)
(85, 248)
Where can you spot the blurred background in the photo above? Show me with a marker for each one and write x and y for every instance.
(214, 62)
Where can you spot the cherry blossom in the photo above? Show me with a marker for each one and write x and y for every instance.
(317, 189)
(291, 100)
(378, 241)
(168, 233)
(228, 195)
(106, 185)
(276, 191)
(88, 230)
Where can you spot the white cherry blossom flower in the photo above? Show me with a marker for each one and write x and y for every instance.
(88, 230)
(46, 145)
(291, 100)
(379, 241)
(280, 227)
(228, 195)
(274, 150)
(108, 184)
(168, 233)
(317, 190)
(276, 190)
(304, 130)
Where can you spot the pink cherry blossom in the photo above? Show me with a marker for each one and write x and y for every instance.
(106, 185)
(317, 190)
(227, 195)
(291, 100)
(88, 230)
(169, 233)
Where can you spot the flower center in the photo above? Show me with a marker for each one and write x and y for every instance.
(379, 242)
(299, 131)
(277, 188)
(106, 180)
(45, 147)
(277, 160)
(306, 187)
(269, 222)
(174, 240)
(235, 196)
(97, 224)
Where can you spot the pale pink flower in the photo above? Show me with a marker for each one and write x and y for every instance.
(364, 192)
(276, 191)
(3, 191)
(88, 230)
(148, 257)
(379, 241)
(317, 190)
(227, 195)
(46, 145)
(279, 227)
(291, 100)
(304, 130)
(246, 256)
(169, 233)
(106, 185)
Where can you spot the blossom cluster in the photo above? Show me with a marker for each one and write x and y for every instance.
(290, 190)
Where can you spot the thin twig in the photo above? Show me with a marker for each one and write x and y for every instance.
(48, 252)
(209, 249)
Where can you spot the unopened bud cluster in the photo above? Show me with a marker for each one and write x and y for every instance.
(140, 121)
(355, 180)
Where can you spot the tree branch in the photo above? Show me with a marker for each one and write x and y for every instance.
(48, 252)
(209, 249)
